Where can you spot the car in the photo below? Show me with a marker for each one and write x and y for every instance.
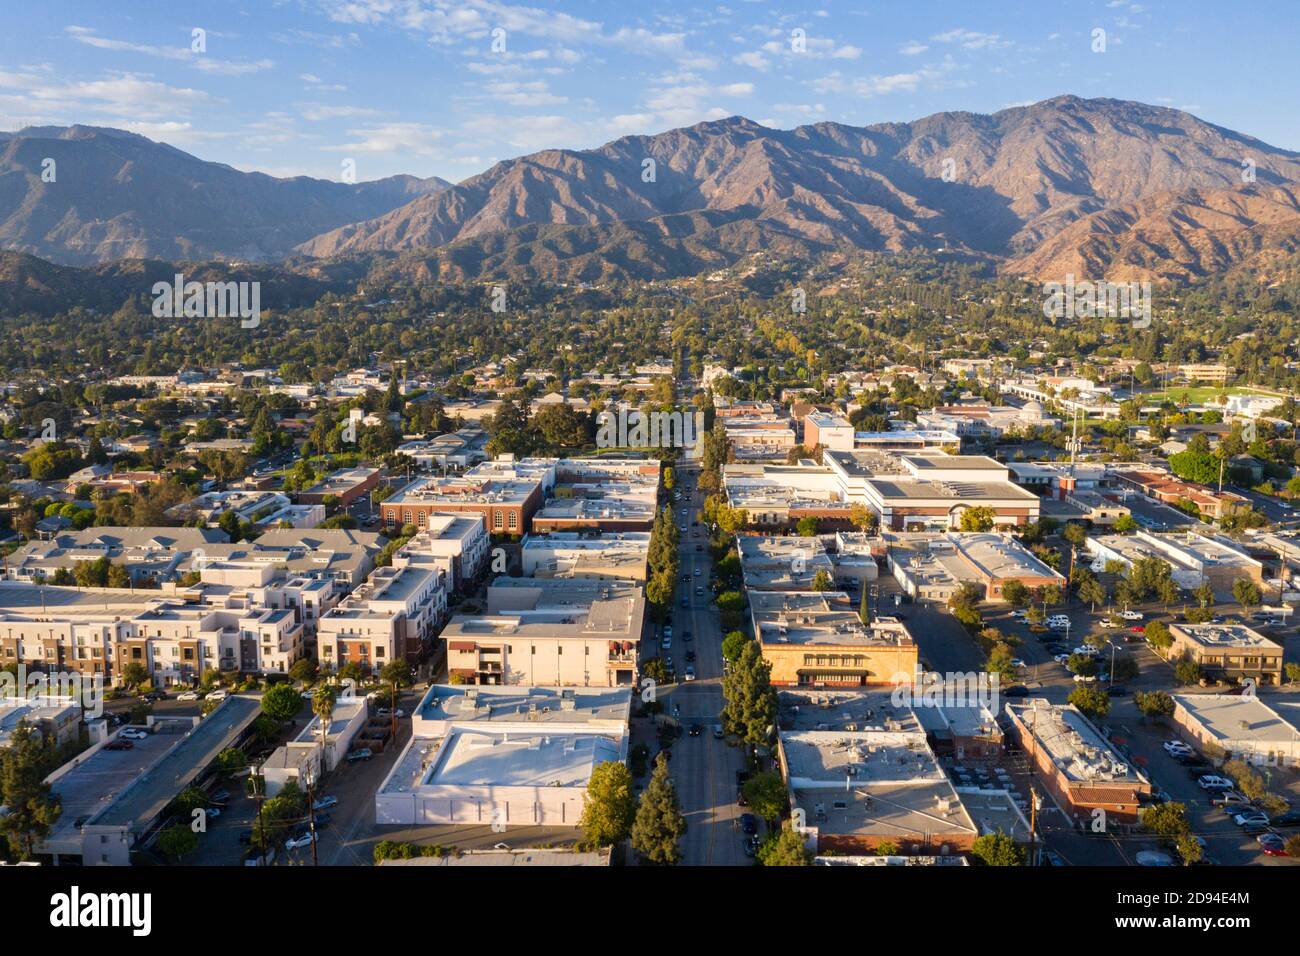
(1249, 817)
(1212, 781)
(695, 730)
(1154, 858)
(699, 592)
(132, 733)
(322, 819)
(1272, 844)
(1108, 623)
(1131, 615)
(221, 796)
(748, 824)
(365, 753)
(1176, 747)
(1061, 658)
(1229, 798)
(1084, 679)
(690, 656)
(1018, 663)
(1059, 625)
(1086, 649)
(188, 695)
(717, 732)
(750, 846)
(685, 602)
(324, 803)
(1016, 692)
(119, 745)
(1138, 629)
(218, 695)
(689, 673)
(697, 572)
(1289, 819)
(245, 837)
(297, 842)
(667, 643)
(387, 712)
(686, 579)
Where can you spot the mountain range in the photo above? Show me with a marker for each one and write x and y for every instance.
(1100, 188)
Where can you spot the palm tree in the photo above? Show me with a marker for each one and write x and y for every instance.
(322, 705)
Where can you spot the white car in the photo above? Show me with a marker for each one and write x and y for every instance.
(188, 695)
(1085, 649)
(1214, 782)
(1084, 679)
(1174, 747)
(1061, 658)
(1018, 663)
(218, 695)
(1109, 623)
(1251, 818)
(294, 843)
(132, 734)
(1131, 615)
(1060, 624)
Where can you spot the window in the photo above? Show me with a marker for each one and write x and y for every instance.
(496, 520)
(514, 520)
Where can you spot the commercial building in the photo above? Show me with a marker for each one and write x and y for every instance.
(300, 758)
(1161, 486)
(1228, 652)
(346, 485)
(1194, 559)
(1264, 733)
(1075, 763)
(503, 756)
(827, 430)
(875, 780)
(816, 639)
(568, 554)
(933, 567)
(56, 718)
(561, 632)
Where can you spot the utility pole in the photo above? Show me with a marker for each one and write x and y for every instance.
(259, 794)
(311, 809)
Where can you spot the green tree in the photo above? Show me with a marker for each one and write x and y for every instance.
(1154, 703)
(659, 824)
(979, 518)
(134, 675)
(1157, 635)
(733, 645)
(822, 581)
(1015, 593)
(749, 709)
(1187, 672)
(32, 809)
(1204, 594)
(177, 842)
(322, 705)
(766, 794)
(785, 848)
(1124, 524)
(1246, 592)
(806, 528)
(1165, 819)
(610, 809)
(997, 849)
(281, 703)
(1093, 702)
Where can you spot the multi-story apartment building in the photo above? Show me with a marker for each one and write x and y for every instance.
(550, 632)
(457, 543)
(393, 615)
(1229, 652)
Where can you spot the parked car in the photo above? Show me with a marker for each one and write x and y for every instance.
(695, 730)
(297, 842)
(1131, 615)
(365, 753)
(1016, 692)
(132, 733)
(218, 695)
(324, 803)
(188, 695)
(1212, 781)
(717, 732)
(1084, 679)
(1154, 858)
(1173, 747)
(1289, 819)
(221, 796)
(1272, 844)
(1229, 798)
(119, 745)
(748, 824)
(689, 674)
(1250, 817)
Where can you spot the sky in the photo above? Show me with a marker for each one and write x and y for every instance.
(427, 87)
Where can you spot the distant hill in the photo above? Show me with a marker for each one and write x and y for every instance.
(117, 195)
